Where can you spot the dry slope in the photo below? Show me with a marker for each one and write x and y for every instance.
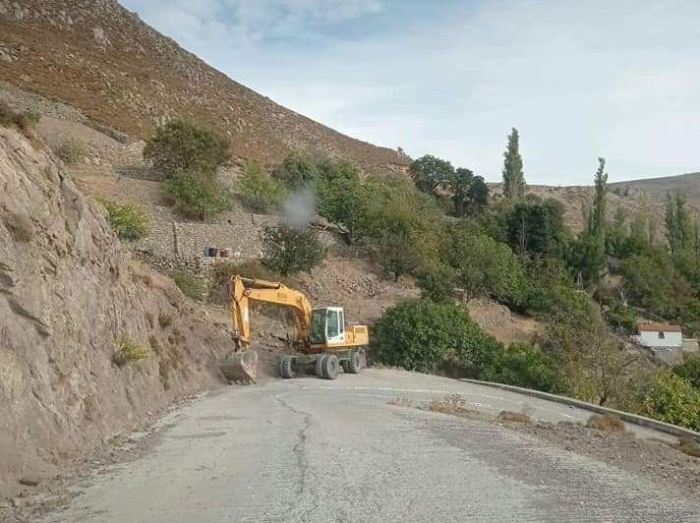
(103, 60)
(69, 294)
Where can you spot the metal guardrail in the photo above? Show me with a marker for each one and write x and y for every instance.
(634, 419)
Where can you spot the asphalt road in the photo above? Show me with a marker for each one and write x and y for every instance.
(310, 450)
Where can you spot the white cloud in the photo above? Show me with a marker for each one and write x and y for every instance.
(579, 79)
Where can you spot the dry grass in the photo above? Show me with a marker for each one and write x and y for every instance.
(689, 446)
(605, 423)
(165, 320)
(400, 401)
(129, 352)
(514, 417)
(452, 404)
(70, 150)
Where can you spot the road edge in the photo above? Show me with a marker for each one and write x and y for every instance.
(634, 419)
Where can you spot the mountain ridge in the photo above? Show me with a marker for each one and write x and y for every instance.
(102, 59)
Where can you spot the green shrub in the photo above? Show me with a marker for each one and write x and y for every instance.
(289, 250)
(129, 222)
(423, 335)
(181, 146)
(522, 365)
(259, 190)
(128, 352)
(672, 399)
(297, 170)
(437, 284)
(622, 317)
(689, 370)
(190, 284)
(33, 116)
(70, 150)
(197, 196)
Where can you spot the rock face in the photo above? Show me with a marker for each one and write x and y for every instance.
(98, 57)
(70, 298)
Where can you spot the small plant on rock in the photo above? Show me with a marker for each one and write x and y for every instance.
(129, 352)
(129, 222)
(70, 150)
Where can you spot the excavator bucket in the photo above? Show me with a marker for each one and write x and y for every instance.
(241, 367)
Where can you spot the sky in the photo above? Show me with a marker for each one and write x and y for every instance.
(578, 79)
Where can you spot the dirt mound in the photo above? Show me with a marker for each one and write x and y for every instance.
(501, 323)
(90, 340)
(605, 423)
(104, 61)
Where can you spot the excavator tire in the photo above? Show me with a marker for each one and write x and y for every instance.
(331, 366)
(354, 364)
(320, 361)
(285, 365)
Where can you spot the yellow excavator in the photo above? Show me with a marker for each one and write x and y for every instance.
(324, 342)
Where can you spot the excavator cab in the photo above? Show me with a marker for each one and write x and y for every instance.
(327, 326)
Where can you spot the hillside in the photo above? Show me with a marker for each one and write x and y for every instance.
(118, 72)
(658, 188)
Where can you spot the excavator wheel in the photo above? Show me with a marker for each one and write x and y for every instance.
(331, 366)
(284, 365)
(320, 361)
(354, 364)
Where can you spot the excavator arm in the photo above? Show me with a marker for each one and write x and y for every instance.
(243, 290)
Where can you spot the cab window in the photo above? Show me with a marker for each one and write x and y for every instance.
(332, 324)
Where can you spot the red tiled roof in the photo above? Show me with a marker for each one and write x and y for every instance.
(659, 327)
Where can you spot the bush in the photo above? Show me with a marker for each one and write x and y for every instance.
(127, 221)
(33, 116)
(297, 170)
(22, 121)
(128, 352)
(522, 365)
(437, 284)
(181, 146)
(622, 317)
(689, 370)
(342, 199)
(190, 284)
(289, 250)
(70, 150)
(422, 335)
(197, 195)
(672, 399)
(489, 268)
(259, 190)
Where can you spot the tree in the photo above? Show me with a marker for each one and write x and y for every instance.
(437, 283)
(297, 170)
(477, 196)
(181, 146)
(513, 175)
(429, 173)
(397, 256)
(679, 224)
(589, 252)
(689, 370)
(289, 250)
(461, 185)
(592, 366)
(422, 335)
(342, 199)
(486, 267)
(259, 190)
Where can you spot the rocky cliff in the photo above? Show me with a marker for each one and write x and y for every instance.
(103, 60)
(74, 308)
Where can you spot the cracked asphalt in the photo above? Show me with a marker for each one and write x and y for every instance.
(309, 450)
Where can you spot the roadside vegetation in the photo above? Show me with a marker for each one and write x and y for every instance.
(127, 221)
(441, 227)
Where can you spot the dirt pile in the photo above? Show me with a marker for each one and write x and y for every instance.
(103, 60)
(76, 312)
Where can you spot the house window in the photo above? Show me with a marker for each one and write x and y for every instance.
(661, 335)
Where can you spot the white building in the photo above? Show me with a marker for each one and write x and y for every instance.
(664, 340)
